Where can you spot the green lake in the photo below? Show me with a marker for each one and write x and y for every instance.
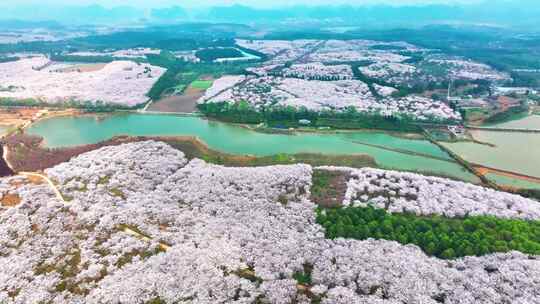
(72, 131)
(512, 182)
(526, 122)
(513, 151)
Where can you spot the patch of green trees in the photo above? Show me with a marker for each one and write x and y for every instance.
(169, 78)
(182, 73)
(509, 114)
(288, 117)
(98, 106)
(438, 236)
(4, 59)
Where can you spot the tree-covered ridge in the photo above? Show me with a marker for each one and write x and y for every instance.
(438, 236)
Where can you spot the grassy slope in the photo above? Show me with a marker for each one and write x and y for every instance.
(202, 84)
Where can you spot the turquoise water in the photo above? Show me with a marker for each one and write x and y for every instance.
(512, 182)
(512, 151)
(72, 131)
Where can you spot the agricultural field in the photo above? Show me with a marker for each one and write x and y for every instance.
(201, 84)
(184, 98)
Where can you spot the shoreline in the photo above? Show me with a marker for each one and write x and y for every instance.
(239, 158)
(254, 128)
(269, 130)
(250, 127)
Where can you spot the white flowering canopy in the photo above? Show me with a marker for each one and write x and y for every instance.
(141, 223)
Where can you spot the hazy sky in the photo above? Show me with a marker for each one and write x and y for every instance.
(258, 3)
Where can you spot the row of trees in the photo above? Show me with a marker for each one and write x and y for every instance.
(288, 116)
(438, 236)
(97, 106)
(510, 113)
(169, 79)
(4, 59)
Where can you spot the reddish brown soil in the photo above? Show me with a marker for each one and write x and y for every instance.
(10, 200)
(26, 153)
(330, 191)
(185, 103)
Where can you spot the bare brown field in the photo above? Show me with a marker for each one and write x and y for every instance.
(10, 200)
(329, 188)
(16, 117)
(185, 103)
(23, 117)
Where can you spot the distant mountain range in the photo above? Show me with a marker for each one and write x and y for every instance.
(493, 12)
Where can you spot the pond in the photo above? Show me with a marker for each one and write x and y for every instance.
(512, 182)
(526, 122)
(72, 131)
(513, 151)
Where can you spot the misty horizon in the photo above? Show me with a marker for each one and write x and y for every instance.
(369, 13)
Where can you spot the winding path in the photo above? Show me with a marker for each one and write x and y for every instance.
(49, 181)
(61, 198)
